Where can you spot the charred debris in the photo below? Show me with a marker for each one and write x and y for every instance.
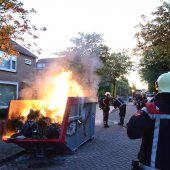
(36, 126)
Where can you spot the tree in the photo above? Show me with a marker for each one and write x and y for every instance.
(14, 24)
(154, 63)
(122, 87)
(104, 84)
(87, 44)
(115, 66)
(153, 44)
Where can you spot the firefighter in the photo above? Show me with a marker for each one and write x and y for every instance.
(105, 106)
(119, 103)
(152, 124)
(141, 100)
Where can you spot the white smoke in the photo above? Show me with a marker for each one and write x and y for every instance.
(88, 79)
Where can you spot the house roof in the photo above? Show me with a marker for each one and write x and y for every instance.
(22, 50)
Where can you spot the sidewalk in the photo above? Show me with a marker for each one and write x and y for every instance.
(8, 149)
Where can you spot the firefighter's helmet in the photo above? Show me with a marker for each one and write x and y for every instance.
(108, 94)
(163, 83)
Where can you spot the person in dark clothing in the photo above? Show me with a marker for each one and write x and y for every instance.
(141, 101)
(152, 124)
(105, 106)
(119, 103)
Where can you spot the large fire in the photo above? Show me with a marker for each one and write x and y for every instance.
(63, 87)
(53, 105)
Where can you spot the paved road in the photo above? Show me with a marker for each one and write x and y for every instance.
(109, 150)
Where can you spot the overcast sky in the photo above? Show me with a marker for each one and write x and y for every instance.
(114, 19)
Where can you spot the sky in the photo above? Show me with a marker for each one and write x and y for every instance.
(114, 19)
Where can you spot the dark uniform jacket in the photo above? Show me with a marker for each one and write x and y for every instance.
(152, 124)
(118, 103)
(106, 102)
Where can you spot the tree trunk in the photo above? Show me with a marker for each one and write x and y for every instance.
(114, 87)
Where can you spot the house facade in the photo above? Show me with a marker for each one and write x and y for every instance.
(15, 73)
(49, 66)
(47, 63)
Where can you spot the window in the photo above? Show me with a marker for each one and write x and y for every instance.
(8, 63)
(8, 91)
(40, 65)
(28, 62)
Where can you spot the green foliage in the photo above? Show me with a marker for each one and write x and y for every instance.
(115, 65)
(123, 88)
(87, 44)
(104, 85)
(153, 43)
(154, 62)
(154, 32)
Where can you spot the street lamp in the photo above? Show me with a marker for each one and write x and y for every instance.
(133, 92)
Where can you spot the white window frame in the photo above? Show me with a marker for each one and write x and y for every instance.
(11, 59)
(12, 83)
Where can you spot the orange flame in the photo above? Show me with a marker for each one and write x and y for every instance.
(61, 87)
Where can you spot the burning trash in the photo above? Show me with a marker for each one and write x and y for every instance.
(35, 125)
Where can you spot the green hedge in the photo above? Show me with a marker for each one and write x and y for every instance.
(3, 113)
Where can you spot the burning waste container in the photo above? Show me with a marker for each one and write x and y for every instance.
(32, 125)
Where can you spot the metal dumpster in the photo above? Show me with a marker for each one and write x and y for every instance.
(77, 126)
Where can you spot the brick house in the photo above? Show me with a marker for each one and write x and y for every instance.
(15, 73)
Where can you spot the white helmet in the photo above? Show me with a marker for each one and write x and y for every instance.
(163, 83)
(108, 94)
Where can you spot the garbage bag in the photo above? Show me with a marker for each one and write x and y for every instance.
(29, 128)
(53, 131)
